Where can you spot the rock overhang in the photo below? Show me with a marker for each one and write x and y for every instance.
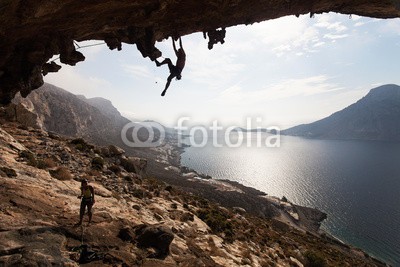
(33, 31)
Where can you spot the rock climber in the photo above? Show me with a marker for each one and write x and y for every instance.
(175, 70)
(87, 196)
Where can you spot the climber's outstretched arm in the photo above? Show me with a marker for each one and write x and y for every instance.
(173, 44)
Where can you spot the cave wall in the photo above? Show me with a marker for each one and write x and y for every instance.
(32, 31)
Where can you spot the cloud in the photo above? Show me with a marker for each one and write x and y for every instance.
(291, 35)
(356, 17)
(391, 26)
(326, 23)
(215, 68)
(319, 44)
(335, 36)
(358, 24)
(287, 34)
(294, 87)
(332, 27)
(137, 70)
(70, 79)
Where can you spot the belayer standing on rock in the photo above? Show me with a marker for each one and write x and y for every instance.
(175, 70)
(87, 196)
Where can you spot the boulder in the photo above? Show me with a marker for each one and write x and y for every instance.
(33, 246)
(156, 237)
(135, 165)
(7, 140)
(115, 151)
(22, 114)
(126, 234)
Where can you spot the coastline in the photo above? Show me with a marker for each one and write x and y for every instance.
(131, 199)
(231, 194)
(288, 216)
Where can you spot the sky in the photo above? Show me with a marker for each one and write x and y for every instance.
(284, 72)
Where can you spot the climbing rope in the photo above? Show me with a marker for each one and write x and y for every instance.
(79, 47)
(82, 233)
(73, 191)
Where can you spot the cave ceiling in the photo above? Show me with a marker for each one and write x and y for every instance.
(33, 31)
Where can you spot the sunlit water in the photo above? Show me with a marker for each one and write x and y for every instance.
(357, 183)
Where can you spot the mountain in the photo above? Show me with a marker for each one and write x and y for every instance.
(54, 109)
(374, 117)
(105, 107)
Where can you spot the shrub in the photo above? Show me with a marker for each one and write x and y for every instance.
(8, 171)
(128, 165)
(116, 169)
(187, 216)
(46, 163)
(95, 173)
(138, 193)
(29, 157)
(314, 259)
(61, 173)
(217, 220)
(169, 188)
(23, 127)
(97, 163)
(81, 144)
(153, 184)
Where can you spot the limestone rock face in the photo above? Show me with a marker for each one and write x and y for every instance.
(31, 245)
(32, 31)
(53, 109)
(21, 113)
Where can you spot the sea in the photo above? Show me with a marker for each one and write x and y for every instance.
(357, 183)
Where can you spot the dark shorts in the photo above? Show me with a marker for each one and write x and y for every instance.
(86, 203)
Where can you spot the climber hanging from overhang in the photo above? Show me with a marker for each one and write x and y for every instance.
(175, 70)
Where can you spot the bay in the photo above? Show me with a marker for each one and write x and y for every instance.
(357, 183)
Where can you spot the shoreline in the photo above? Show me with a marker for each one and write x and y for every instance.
(128, 199)
(293, 215)
(309, 221)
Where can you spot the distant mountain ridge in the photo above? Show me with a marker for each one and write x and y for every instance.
(105, 106)
(60, 111)
(54, 109)
(376, 116)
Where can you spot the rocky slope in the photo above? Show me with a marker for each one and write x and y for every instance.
(62, 112)
(54, 109)
(32, 31)
(106, 108)
(374, 117)
(138, 220)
